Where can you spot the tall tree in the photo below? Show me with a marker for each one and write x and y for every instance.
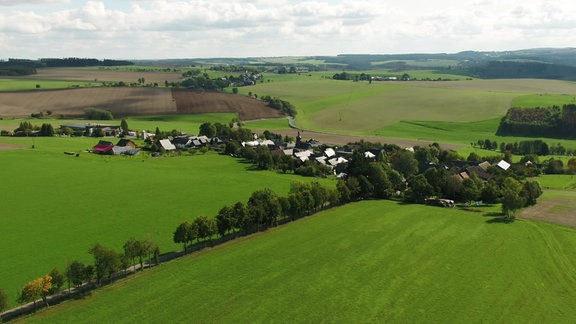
(75, 274)
(224, 220)
(530, 192)
(124, 126)
(404, 162)
(181, 234)
(511, 199)
(207, 129)
(106, 261)
(57, 280)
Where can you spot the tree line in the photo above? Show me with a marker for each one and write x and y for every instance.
(81, 62)
(264, 209)
(526, 147)
(107, 262)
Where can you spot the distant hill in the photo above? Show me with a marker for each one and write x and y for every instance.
(544, 63)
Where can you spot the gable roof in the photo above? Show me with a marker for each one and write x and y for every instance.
(167, 145)
(103, 147)
(503, 165)
(126, 142)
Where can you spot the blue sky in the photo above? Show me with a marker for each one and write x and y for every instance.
(138, 29)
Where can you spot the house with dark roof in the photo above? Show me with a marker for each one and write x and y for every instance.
(126, 143)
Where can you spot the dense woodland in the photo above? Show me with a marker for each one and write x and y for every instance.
(555, 122)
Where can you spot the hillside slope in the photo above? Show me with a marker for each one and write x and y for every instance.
(374, 261)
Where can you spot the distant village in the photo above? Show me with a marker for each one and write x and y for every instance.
(297, 153)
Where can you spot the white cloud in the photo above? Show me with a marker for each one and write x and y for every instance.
(14, 3)
(164, 28)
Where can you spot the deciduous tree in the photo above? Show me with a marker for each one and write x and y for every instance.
(181, 234)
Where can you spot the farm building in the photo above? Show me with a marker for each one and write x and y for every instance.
(167, 145)
(87, 129)
(127, 143)
(103, 147)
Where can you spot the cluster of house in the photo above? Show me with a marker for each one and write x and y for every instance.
(124, 146)
(88, 129)
(128, 147)
(479, 169)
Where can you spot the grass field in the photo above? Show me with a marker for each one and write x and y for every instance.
(18, 84)
(56, 206)
(543, 100)
(444, 111)
(374, 261)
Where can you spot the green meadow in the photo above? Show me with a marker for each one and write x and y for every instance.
(184, 123)
(373, 261)
(13, 84)
(56, 206)
(457, 112)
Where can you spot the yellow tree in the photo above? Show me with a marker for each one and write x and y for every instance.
(38, 288)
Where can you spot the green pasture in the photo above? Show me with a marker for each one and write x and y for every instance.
(543, 100)
(19, 84)
(557, 181)
(56, 206)
(186, 123)
(361, 108)
(373, 261)
(444, 111)
(267, 124)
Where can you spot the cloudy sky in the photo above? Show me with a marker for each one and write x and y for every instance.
(136, 29)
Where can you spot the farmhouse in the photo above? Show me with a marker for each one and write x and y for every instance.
(88, 129)
(103, 147)
(167, 145)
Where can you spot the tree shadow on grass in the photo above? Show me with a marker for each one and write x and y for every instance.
(498, 218)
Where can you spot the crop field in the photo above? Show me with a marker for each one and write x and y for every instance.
(73, 102)
(56, 206)
(374, 261)
(127, 101)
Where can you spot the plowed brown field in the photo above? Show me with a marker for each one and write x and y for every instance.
(195, 102)
(127, 101)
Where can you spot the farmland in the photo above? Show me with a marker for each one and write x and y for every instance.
(63, 204)
(372, 261)
(401, 263)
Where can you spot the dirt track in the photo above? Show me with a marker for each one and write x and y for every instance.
(6, 147)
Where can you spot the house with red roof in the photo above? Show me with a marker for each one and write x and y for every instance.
(103, 147)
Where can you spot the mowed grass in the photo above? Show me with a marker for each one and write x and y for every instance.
(543, 100)
(374, 261)
(56, 206)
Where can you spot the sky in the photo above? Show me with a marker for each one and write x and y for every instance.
(156, 29)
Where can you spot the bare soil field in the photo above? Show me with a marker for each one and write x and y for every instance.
(132, 101)
(561, 209)
(72, 102)
(6, 147)
(97, 75)
(196, 102)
